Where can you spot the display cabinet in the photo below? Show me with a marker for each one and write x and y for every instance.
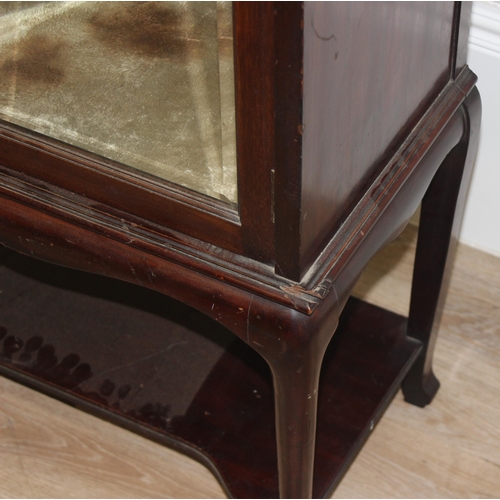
(188, 194)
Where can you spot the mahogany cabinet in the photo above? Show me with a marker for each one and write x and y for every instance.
(196, 188)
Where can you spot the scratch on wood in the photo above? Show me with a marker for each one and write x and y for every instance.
(324, 38)
(150, 270)
(248, 319)
(137, 361)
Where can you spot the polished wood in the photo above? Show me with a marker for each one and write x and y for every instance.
(66, 453)
(276, 196)
(297, 243)
(247, 229)
(289, 48)
(440, 218)
(90, 351)
(279, 333)
(101, 180)
(255, 125)
(462, 17)
(112, 230)
(257, 271)
(395, 76)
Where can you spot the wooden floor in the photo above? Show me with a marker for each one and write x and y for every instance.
(449, 449)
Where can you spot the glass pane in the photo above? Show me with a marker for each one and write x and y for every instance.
(148, 84)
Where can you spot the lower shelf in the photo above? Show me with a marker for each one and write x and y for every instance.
(160, 368)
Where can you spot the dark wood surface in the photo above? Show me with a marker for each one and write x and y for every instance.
(407, 175)
(81, 338)
(276, 281)
(254, 72)
(290, 204)
(107, 183)
(287, 338)
(246, 229)
(463, 14)
(358, 109)
(33, 207)
(440, 219)
(289, 49)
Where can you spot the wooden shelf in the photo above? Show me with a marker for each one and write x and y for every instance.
(160, 368)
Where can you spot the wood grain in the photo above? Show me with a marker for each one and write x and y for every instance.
(64, 453)
(400, 64)
(449, 449)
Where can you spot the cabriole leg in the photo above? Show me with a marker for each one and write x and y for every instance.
(441, 215)
(294, 344)
(296, 380)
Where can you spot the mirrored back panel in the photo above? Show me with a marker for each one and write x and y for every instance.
(147, 84)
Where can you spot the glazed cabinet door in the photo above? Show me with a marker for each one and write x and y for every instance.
(133, 109)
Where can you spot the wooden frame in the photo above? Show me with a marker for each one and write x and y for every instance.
(253, 271)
